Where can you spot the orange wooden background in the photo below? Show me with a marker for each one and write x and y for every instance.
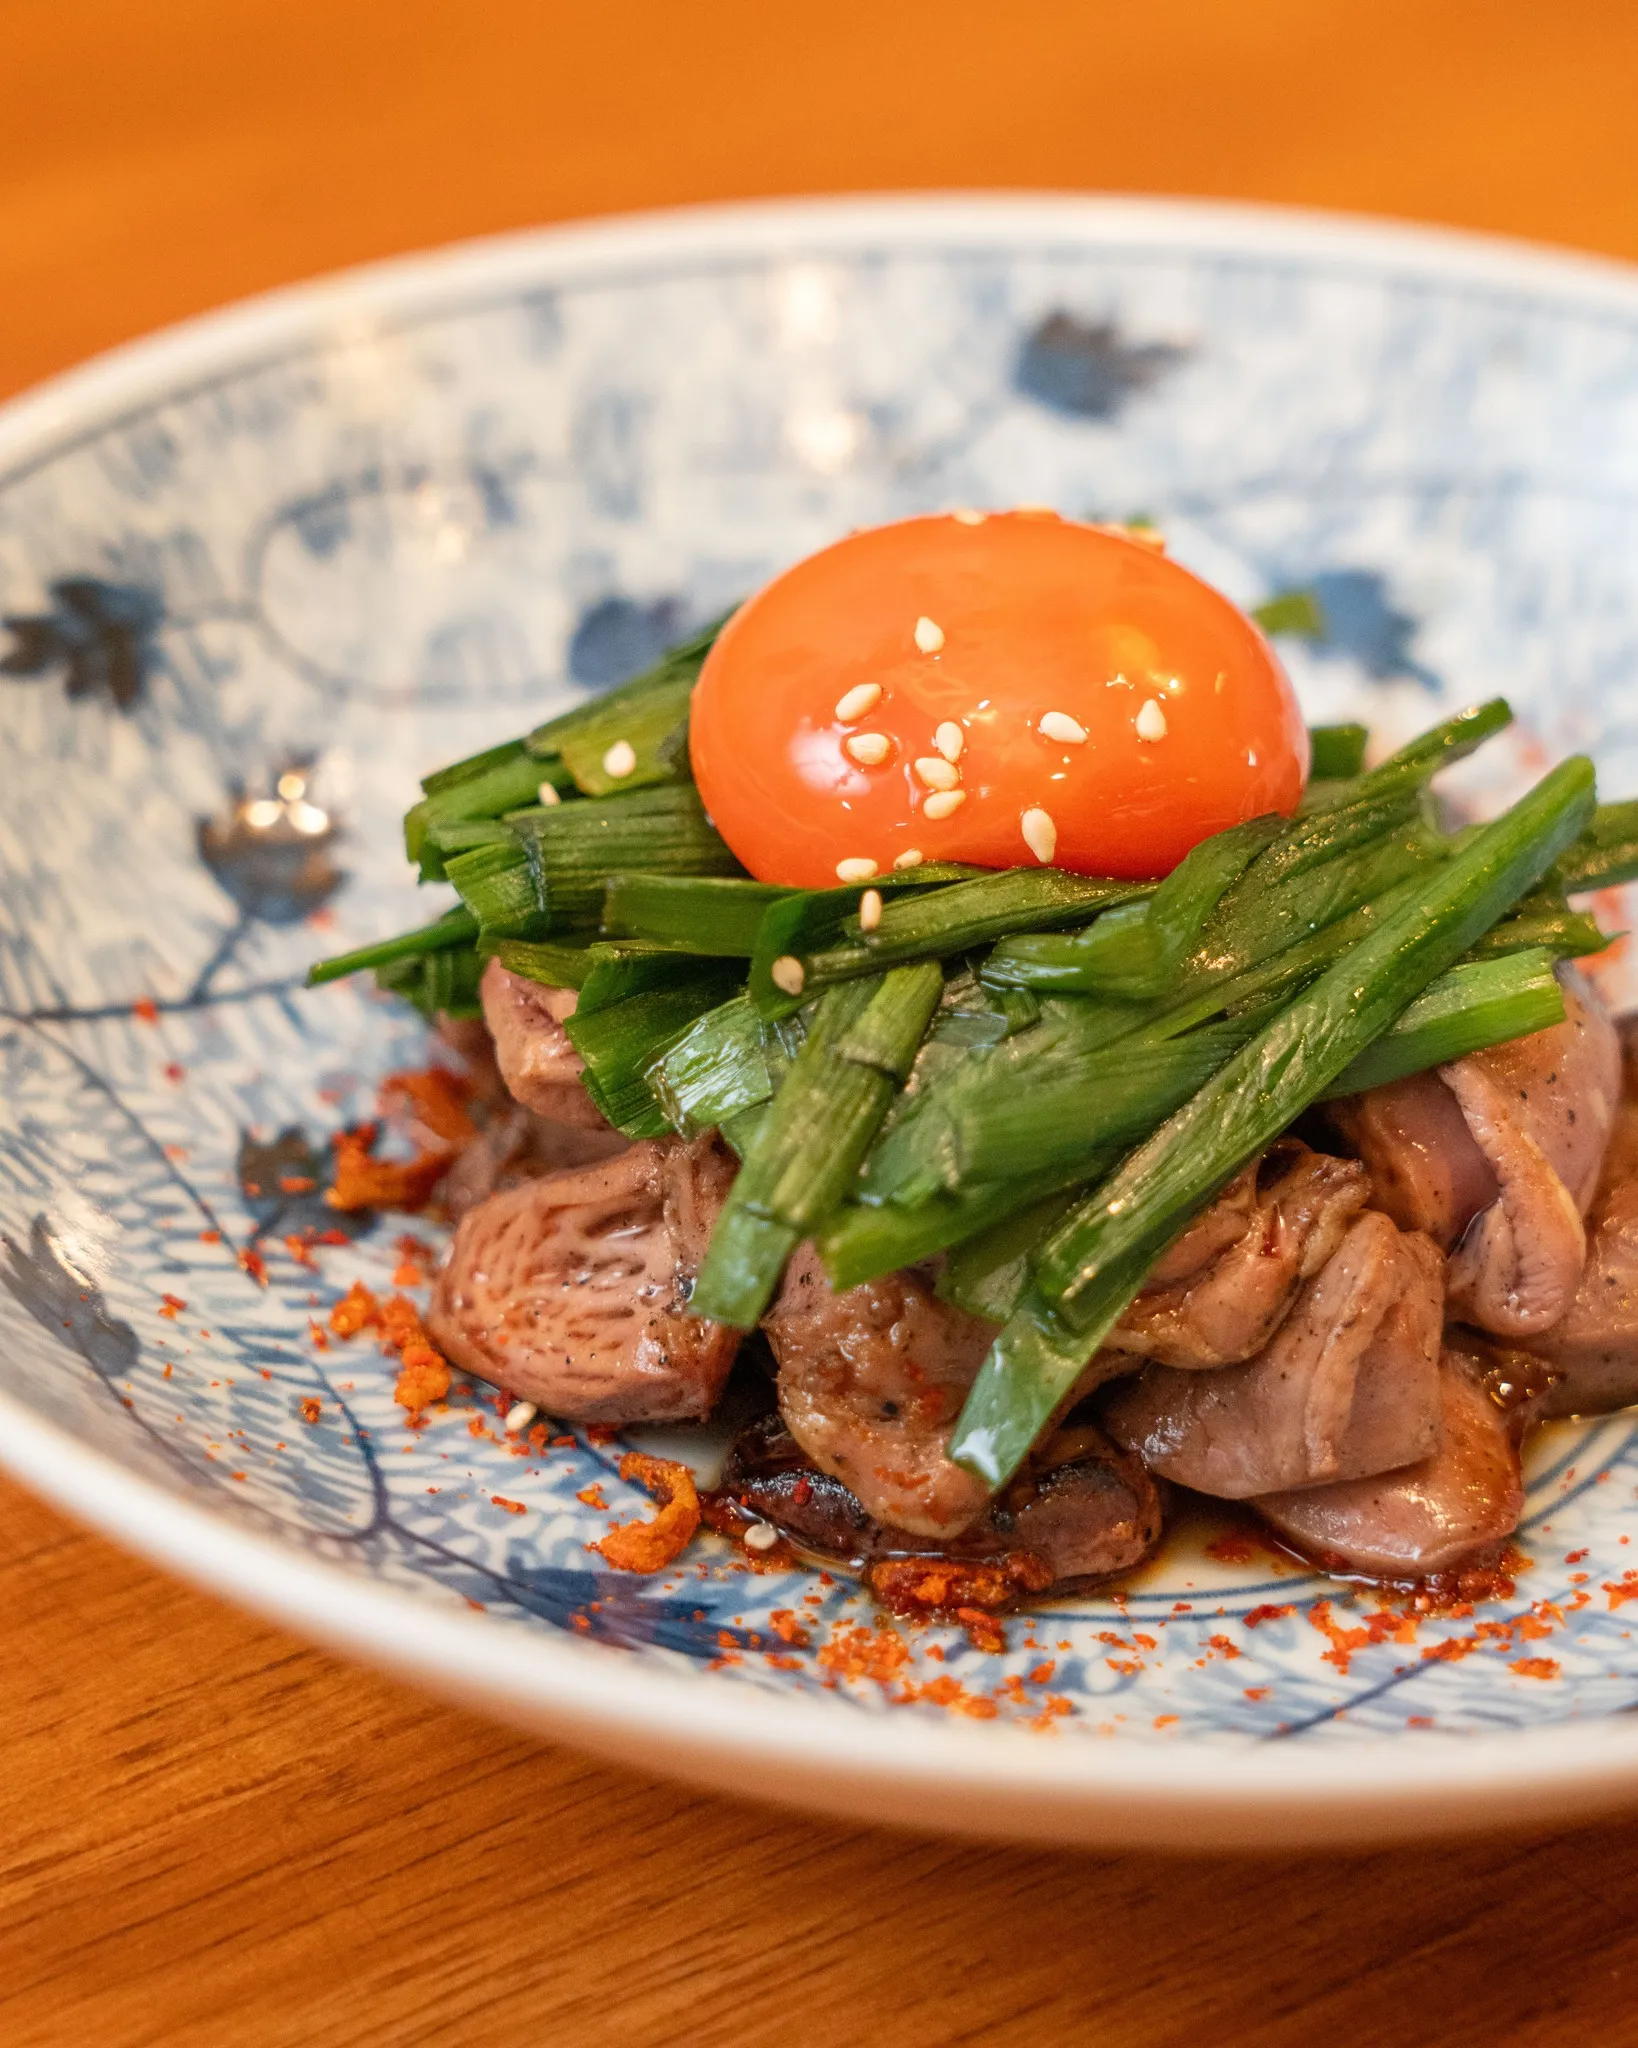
(210, 1834)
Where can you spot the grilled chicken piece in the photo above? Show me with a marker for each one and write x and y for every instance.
(1083, 1509)
(870, 1382)
(512, 1146)
(1348, 1386)
(1223, 1289)
(1428, 1517)
(572, 1290)
(1426, 1171)
(1593, 1351)
(536, 1060)
(1508, 1178)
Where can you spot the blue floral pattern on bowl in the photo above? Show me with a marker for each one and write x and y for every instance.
(400, 535)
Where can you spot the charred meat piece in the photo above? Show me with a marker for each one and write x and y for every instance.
(1223, 1289)
(1506, 1181)
(1348, 1386)
(1426, 1518)
(538, 1064)
(1083, 1510)
(572, 1290)
(870, 1383)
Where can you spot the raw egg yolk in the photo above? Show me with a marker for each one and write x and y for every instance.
(1005, 689)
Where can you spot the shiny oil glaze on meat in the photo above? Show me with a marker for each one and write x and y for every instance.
(1286, 1351)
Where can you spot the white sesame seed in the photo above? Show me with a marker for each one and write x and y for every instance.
(870, 910)
(856, 702)
(620, 759)
(910, 858)
(1058, 725)
(869, 749)
(1151, 721)
(929, 635)
(548, 794)
(1040, 835)
(789, 974)
(760, 1536)
(966, 516)
(950, 739)
(519, 1416)
(942, 802)
(936, 772)
(859, 869)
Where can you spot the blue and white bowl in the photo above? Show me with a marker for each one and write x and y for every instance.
(293, 555)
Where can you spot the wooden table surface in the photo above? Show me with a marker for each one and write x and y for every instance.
(211, 1834)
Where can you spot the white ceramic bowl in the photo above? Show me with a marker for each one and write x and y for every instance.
(372, 524)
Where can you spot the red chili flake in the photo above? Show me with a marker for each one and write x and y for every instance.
(357, 1310)
(407, 1274)
(785, 1625)
(296, 1183)
(1257, 1692)
(1259, 1615)
(592, 1496)
(210, 1237)
(146, 1010)
(240, 1477)
(173, 1306)
(1574, 1556)
(1624, 1590)
(512, 1507)
(1224, 1646)
(1535, 1667)
(174, 1072)
(1043, 1673)
(176, 1154)
(1166, 1720)
(1234, 1548)
(254, 1264)
(312, 1408)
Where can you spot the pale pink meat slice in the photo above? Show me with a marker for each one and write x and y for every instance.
(1496, 1157)
(1540, 1109)
(1593, 1351)
(572, 1290)
(1222, 1290)
(1348, 1386)
(538, 1064)
(1427, 1172)
(870, 1382)
(1425, 1518)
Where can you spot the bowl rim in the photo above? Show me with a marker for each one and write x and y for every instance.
(1191, 1791)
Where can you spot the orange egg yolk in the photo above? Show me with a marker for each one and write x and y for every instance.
(1007, 689)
